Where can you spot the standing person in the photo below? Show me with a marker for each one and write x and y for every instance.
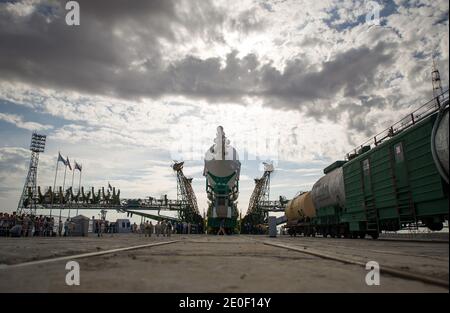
(66, 228)
(2, 227)
(163, 228)
(169, 228)
(99, 228)
(93, 224)
(102, 228)
(150, 229)
(45, 226)
(40, 226)
(30, 225)
(158, 229)
(52, 226)
(145, 228)
(36, 226)
(25, 226)
(60, 227)
(222, 227)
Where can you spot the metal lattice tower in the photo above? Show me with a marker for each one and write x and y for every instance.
(185, 193)
(29, 195)
(260, 194)
(436, 81)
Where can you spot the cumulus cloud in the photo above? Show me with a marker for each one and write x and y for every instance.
(140, 77)
(118, 50)
(20, 123)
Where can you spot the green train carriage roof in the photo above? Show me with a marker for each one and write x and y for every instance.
(400, 134)
(364, 150)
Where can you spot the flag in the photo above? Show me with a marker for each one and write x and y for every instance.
(68, 164)
(61, 159)
(78, 166)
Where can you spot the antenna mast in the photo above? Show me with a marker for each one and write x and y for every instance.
(436, 80)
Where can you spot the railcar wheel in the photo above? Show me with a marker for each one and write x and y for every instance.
(374, 235)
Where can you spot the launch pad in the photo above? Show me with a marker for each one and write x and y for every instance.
(202, 263)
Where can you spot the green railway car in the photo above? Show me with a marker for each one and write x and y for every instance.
(400, 180)
(395, 184)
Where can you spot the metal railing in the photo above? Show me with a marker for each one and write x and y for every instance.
(411, 119)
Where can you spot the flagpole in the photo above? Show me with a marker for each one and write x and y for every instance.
(79, 183)
(71, 188)
(73, 174)
(54, 184)
(64, 183)
(79, 187)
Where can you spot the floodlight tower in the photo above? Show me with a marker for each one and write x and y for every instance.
(29, 193)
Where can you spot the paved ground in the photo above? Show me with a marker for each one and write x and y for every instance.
(216, 264)
(18, 250)
(417, 235)
(430, 259)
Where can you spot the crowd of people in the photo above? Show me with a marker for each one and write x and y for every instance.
(101, 227)
(26, 225)
(166, 228)
(161, 228)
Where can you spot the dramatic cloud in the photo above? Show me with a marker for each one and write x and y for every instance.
(300, 82)
(118, 50)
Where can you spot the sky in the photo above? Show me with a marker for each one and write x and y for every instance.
(139, 84)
